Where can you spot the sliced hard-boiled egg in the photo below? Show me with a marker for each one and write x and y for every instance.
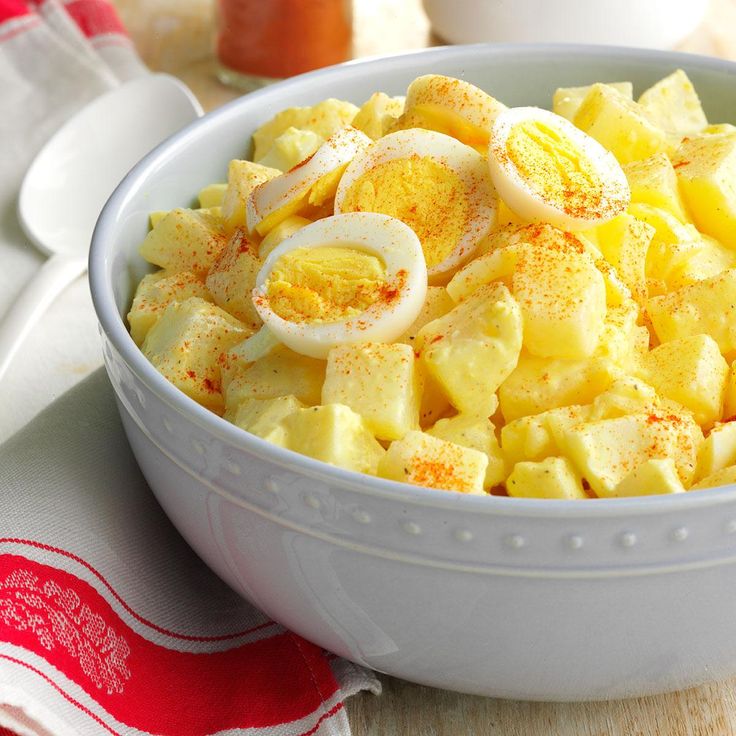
(547, 170)
(438, 186)
(451, 106)
(310, 183)
(357, 277)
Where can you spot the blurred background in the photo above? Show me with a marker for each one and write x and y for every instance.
(180, 36)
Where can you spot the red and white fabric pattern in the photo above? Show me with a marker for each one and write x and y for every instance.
(109, 623)
(90, 29)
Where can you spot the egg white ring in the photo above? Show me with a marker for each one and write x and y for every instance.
(526, 202)
(273, 194)
(395, 243)
(465, 161)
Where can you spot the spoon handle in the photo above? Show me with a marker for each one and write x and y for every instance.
(32, 302)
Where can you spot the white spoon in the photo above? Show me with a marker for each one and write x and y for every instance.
(73, 175)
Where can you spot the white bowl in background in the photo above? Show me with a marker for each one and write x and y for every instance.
(517, 598)
(650, 23)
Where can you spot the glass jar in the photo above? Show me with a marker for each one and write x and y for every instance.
(260, 41)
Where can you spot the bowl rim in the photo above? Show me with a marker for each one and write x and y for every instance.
(113, 328)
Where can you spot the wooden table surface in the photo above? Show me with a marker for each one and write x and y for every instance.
(177, 37)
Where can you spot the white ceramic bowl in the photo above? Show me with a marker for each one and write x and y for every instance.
(506, 597)
(650, 23)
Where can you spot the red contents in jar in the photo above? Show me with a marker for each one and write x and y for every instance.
(280, 38)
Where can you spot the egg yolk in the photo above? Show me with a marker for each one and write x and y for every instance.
(555, 168)
(423, 193)
(311, 201)
(325, 284)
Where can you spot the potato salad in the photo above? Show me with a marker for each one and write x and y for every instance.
(441, 290)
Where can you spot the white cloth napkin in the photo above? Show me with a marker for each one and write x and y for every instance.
(54, 58)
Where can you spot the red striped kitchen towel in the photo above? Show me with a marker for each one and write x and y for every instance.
(110, 624)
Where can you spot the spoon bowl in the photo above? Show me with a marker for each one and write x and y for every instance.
(71, 178)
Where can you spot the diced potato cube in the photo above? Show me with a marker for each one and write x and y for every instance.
(690, 371)
(477, 433)
(262, 417)
(553, 477)
(496, 265)
(624, 242)
(509, 233)
(156, 217)
(186, 345)
(674, 104)
(624, 127)
(290, 148)
(616, 290)
(527, 438)
(705, 307)
(213, 214)
(566, 101)
(626, 395)
(563, 301)
(232, 278)
(423, 460)
(212, 195)
(534, 437)
(434, 404)
(672, 243)
(653, 181)
(502, 249)
(656, 287)
(155, 292)
(242, 178)
(472, 349)
(437, 304)
(706, 170)
(184, 240)
(378, 114)
(257, 346)
(710, 259)
(606, 451)
(657, 476)
(724, 477)
(380, 382)
(279, 372)
(718, 451)
(643, 340)
(729, 397)
(282, 231)
(334, 434)
(619, 339)
(324, 118)
(539, 384)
